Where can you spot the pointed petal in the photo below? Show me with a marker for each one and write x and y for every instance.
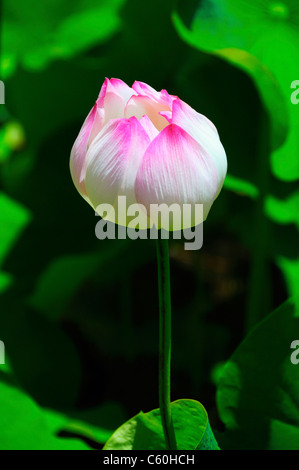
(139, 106)
(175, 169)
(167, 115)
(110, 104)
(115, 85)
(204, 132)
(78, 152)
(112, 99)
(98, 124)
(162, 97)
(102, 94)
(112, 163)
(114, 106)
(122, 89)
(149, 127)
(146, 90)
(169, 99)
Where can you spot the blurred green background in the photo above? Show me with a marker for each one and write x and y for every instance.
(79, 316)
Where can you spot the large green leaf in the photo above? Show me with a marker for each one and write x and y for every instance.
(144, 431)
(285, 212)
(261, 37)
(258, 393)
(55, 30)
(24, 427)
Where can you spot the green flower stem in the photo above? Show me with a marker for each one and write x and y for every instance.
(259, 294)
(165, 342)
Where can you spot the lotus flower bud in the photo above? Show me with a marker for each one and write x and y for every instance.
(150, 147)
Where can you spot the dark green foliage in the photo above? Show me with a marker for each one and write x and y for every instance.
(79, 316)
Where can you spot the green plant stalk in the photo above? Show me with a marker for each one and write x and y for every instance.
(165, 342)
(258, 304)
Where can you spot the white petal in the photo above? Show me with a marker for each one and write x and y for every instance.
(112, 163)
(175, 169)
(204, 132)
(139, 106)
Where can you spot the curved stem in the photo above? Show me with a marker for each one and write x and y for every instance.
(165, 342)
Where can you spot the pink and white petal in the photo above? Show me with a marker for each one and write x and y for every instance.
(122, 89)
(139, 105)
(112, 163)
(149, 127)
(98, 124)
(78, 152)
(167, 115)
(114, 106)
(204, 132)
(175, 169)
(162, 97)
(167, 98)
(102, 94)
(144, 89)
(113, 97)
(114, 85)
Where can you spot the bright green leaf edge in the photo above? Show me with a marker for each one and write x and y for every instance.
(266, 83)
(144, 431)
